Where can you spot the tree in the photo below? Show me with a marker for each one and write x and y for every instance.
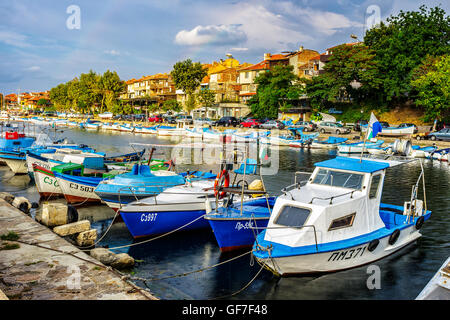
(110, 87)
(58, 96)
(347, 66)
(89, 91)
(431, 80)
(43, 102)
(277, 88)
(401, 44)
(187, 76)
(171, 105)
(206, 99)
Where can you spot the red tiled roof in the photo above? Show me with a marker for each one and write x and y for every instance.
(247, 94)
(263, 65)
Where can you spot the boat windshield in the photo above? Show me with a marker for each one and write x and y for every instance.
(339, 179)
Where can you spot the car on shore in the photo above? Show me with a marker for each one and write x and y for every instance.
(156, 119)
(250, 123)
(203, 121)
(272, 124)
(305, 125)
(443, 134)
(226, 122)
(332, 127)
(185, 119)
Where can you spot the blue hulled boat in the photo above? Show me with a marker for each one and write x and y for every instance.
(234, 229)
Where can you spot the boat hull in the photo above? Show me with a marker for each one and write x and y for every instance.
(18, 166)
(77, 192)
(340, 259)
(46, 183)
(234, 234)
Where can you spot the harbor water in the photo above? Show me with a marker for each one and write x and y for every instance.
(402, 275)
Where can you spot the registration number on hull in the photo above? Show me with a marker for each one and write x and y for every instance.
(347, 254)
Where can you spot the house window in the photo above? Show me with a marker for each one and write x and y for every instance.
(290, 216)
(246, 75)
(343, 222)
(374, 186)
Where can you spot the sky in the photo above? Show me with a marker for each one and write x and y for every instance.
(47, 42)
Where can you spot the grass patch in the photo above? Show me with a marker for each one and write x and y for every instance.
(31, 263)
(11, 236)
(9, 246)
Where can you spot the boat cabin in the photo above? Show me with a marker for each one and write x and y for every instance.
(340, 200)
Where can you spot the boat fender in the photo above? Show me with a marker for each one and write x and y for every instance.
(394, 236)
(373, 245)
(222, 179)
(419, 222)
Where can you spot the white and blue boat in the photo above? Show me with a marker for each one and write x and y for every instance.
(141, 183)
(360, 146)
(441, 154)
(421, 152)
(336, 221)
(330, 143)
(304, 141)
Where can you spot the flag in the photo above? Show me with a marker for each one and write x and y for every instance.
(374, 127)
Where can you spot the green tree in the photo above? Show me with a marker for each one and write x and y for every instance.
(277, 88)
(58, 96)
(110, 87)
(187, 76)
(431, 80)
(206, 99)
(351, 75)
(171, 105)
(402, 43)
(89, 90)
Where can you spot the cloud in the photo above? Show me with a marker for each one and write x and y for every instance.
(239, 49)
(14, 39)
(212, 34)
(34, 68)
(112, 52)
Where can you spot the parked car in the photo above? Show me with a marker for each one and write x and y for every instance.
(405, 125)
(185, 119)
(441, 125)
(334, 110)
(272, 124)
(171, 120)
(305, 125)
(443, 134)
(156, 118)
(226, 122)
(358, 124)
(203, 121)
(332, 127)
(250, 123)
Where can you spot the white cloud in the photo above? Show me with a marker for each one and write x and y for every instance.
(211, 34)
(14, 39)
(34, 68)
(112, 52)
(239, 49)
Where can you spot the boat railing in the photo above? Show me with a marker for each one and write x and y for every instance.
(286, 227)
(333, 197)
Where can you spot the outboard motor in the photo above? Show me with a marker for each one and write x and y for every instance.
(402, 147)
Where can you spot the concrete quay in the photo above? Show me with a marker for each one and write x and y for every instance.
(40, 265)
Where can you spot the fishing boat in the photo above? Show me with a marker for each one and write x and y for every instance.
(179, 207)
(169, 131)
(106, 115)
(336, 221)
(92, 125)
(141, 183)
(441, 154)
(249, 136)
(149, 130)
(304, 141)
(393, 131)
(210, 134)
(236, 224)
(126, 127)
(194, 132)
(421, 152)
(128, 157)
(360, 146)
(330, 143)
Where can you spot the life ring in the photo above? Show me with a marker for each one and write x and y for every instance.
(170, 164)
(419, 222)
(394, 236)
(222, 180)
(373, 245)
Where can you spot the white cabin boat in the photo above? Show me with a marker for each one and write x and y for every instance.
(336, 221)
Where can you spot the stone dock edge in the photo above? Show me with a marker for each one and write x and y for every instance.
(41, 265)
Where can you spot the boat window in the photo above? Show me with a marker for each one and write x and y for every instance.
(343, 222)
(374, 186)
(292, 216)
(339, 179)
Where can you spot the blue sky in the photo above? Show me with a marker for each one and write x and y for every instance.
(138, 37)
